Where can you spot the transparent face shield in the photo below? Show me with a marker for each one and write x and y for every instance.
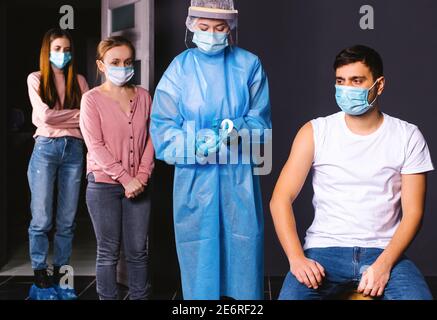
(217, 10)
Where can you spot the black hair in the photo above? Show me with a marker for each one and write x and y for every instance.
(360, 53)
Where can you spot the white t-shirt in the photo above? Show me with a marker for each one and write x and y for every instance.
(357, 181)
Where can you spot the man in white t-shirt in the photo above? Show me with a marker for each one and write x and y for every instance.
(369, 179)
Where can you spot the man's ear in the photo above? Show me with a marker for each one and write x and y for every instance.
(381, 85)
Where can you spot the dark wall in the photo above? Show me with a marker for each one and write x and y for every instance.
(3, 113)
(169, 40)
(297, 42)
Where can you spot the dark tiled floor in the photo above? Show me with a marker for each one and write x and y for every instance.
(16, 288)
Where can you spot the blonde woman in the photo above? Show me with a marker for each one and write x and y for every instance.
(120, 161)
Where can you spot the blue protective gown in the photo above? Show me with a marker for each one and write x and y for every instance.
(218, 213)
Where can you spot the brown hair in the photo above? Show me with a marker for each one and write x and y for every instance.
(113, 42)
(47, 87)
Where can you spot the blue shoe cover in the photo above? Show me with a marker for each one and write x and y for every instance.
(36, 293)
(65, 293)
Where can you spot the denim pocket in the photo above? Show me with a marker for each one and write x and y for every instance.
(44, 140)
(77, 146)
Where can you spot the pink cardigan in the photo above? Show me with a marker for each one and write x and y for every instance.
(54, 123)
(119, 145)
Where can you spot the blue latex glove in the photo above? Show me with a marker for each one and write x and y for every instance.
(210, 144)
(207, 145)
(223, 129)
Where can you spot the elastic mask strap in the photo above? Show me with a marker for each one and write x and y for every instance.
(376, 98)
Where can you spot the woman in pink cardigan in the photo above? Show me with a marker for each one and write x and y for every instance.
(115, 125)
(55, 93)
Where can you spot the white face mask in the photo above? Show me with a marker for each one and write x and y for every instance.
(120, 75)
(353, 100)
(211, 42)
(60, 59)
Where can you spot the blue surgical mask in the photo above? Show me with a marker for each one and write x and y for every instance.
(354, 101)
(120, 75)
(211, 43)
(60, 59)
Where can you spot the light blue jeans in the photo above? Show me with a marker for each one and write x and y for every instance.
(344, 268)
(61, 160)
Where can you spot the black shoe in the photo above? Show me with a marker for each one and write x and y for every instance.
(42, 279)
(56, 275)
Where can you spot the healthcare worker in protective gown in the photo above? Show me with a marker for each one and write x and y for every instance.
(215, 90)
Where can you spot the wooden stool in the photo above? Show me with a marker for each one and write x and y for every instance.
(353, 295)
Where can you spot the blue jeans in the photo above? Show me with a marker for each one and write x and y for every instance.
(344, 268)
(117, 219)
(61, 160)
